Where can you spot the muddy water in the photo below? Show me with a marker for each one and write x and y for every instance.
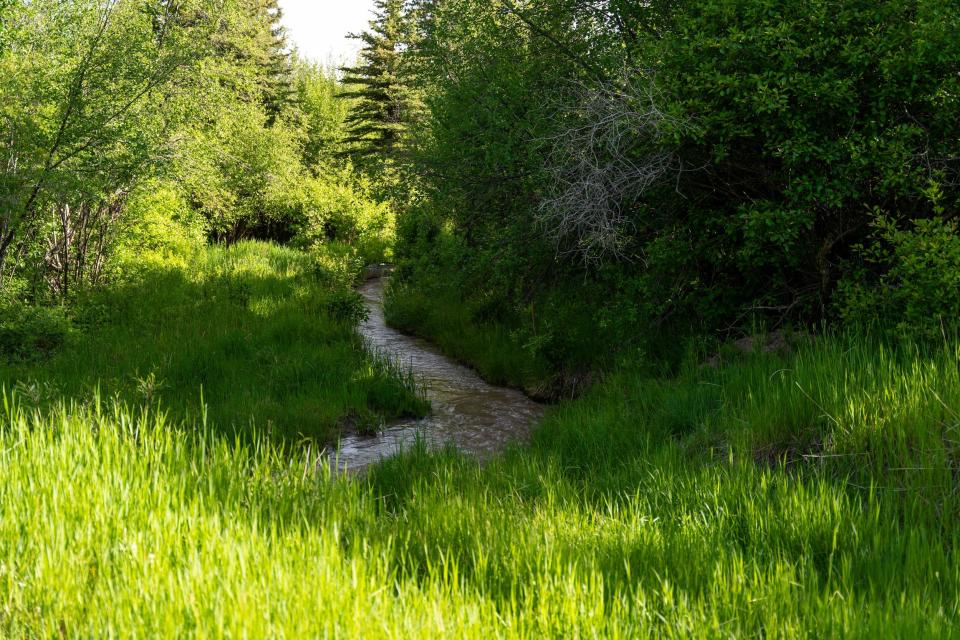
(476, 417)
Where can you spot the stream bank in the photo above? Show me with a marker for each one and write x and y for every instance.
(476, 417)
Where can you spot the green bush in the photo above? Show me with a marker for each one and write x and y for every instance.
(160, 220)
(336, 263)
(32, 333)
(786, 125)
(918, 293)
(244, 175)
(346, 306)
(13, 291)
(340, 206)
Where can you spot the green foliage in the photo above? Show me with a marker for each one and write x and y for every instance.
(346, 306)
(917, 294)
(87, 97)
(753, 162)
(104, 108)
(244, 175)
(323, 113)
(29, 333)
(479, 156)
(799, 146)
(336, 263)
(380, 84)
(276, 64)
(254, 326)
(252, 62)
(440, 315)
(769, 133)
(339, 205)
(159, 219)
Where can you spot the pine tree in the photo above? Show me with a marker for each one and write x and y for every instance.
(255, 57)
(385, 100)
(276, 65)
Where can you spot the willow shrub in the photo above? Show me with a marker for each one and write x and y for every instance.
(809, 118)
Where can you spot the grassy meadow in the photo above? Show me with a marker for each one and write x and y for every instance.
(261, 334)
(774, 496)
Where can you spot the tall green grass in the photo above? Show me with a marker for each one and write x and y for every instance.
(796, 496)
(266, 333)
(492, 349)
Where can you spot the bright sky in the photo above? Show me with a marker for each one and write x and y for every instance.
(318, 28)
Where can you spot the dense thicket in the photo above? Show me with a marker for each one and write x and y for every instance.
(595, 175)
(586, 178)
(129, 125)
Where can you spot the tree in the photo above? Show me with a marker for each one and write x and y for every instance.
(253, 62)
(385, 99)
(276, 64)
(81, 108)
(323, 113)
(242, 175)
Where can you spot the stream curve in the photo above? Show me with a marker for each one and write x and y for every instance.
(477, 418)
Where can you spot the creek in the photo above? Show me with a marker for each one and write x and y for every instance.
(477, 418)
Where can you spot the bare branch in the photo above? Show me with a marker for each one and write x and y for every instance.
(603, 163)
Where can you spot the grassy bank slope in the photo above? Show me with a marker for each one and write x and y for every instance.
(265, 332)
(492, 349)
(784, 497)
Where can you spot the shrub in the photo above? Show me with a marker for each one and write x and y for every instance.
(340, 206)
(336, 264)
(346, 306)
(918, 291)
(31, 333)
(160, 219)
(244, 176)
(786, 123)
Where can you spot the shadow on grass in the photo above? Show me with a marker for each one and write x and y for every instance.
(658, 482)
(250, 330)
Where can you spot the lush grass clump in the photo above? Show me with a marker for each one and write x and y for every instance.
(265, 333)
(811, 495)
(496, 352)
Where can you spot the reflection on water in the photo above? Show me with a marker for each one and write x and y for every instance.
(476, 417)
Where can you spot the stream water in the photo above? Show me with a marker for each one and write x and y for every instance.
(477, 418)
